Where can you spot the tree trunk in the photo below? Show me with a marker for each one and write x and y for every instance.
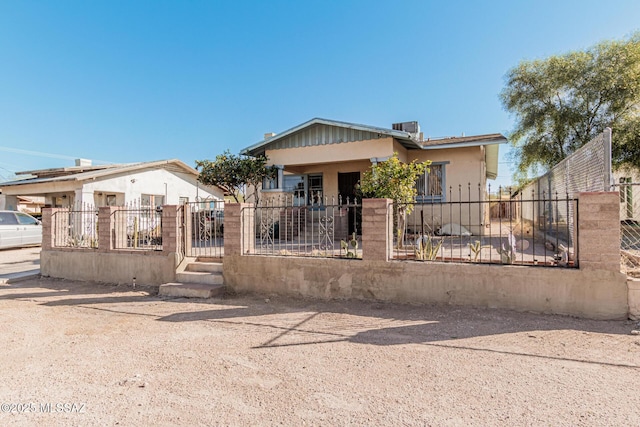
(401, 219)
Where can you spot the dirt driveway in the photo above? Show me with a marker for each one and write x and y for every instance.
(88, 354)
(19, 262)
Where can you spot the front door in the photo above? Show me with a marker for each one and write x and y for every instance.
(347, 184)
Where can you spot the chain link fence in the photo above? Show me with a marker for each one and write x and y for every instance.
(587, 169)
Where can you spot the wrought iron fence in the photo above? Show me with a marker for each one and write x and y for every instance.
(76, 227)
(478, 228)
(206, 220)
(328, 229)
(180, 240)
(629, 226)
(138, 227)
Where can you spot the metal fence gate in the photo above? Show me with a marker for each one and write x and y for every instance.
(203, 231)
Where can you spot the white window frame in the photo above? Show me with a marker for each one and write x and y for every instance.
(425, 178)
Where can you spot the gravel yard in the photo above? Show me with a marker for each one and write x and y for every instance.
(77, 353)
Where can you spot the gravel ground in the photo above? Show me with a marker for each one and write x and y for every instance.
(106, 355)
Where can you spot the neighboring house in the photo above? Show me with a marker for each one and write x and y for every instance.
(324, 158)
(147, 183)
(31, 205)
(627, 181)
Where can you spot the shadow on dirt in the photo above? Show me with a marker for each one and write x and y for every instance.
(295, 322)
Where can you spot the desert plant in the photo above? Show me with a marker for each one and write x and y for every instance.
(507, 250)
(350, 248)
(426, 249)
(476, 248)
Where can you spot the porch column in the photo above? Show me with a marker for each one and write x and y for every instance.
(377, 229)
(10, 203)
(83, 198)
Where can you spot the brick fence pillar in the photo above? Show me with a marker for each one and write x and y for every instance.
(599, 231)
(239, 228)
(106, 228)
(170, 227)
(48, 230)
(377, 229)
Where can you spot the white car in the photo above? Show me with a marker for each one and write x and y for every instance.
(18, 229)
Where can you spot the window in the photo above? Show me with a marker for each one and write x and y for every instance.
(295, 184)
(315, 189)
(431, 185)
(270, 183)
(150, 200)
(25, 219)
(8, 218)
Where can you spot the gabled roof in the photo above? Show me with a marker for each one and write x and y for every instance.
(405, 138)
(325, 132)
(82, 173)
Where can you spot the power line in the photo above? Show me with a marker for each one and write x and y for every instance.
(43, 154)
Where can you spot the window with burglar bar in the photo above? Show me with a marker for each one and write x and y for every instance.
(430, 185)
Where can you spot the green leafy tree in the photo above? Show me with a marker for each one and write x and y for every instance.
(394, 180)
(239, 176)
(562, 102)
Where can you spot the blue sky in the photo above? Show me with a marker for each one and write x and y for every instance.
(127, 81)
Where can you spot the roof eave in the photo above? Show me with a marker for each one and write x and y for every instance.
(477, 143)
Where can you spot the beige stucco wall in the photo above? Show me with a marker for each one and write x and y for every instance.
(330, 153)
(464, 175)
(464, 167)
(148, 268)
(592, 294)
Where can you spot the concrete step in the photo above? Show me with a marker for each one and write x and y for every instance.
(202, 277)
(191, 290)
(204, 267)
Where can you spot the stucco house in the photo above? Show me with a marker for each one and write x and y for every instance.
(324, 158)
(147, 183)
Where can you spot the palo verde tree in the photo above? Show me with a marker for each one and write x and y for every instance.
(560, 103)
(239, 176)
(392, 179)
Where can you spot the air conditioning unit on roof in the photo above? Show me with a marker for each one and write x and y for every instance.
(411, 127)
